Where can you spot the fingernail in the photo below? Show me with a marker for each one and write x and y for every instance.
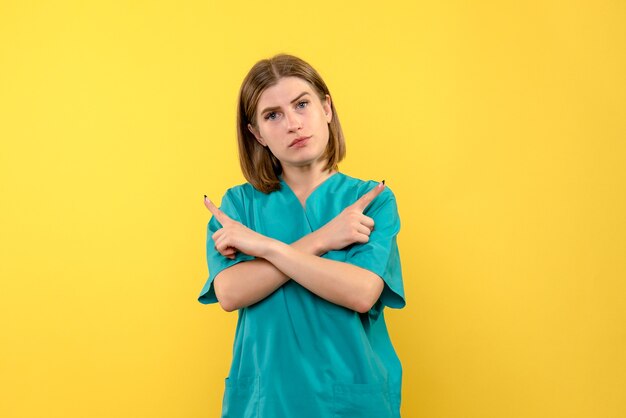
(205, 196)
(383, 181)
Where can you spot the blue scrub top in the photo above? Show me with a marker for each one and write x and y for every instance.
(296, 354)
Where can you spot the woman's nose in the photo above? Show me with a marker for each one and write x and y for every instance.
(293, 121)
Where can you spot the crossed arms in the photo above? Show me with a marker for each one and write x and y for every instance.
(345, 284)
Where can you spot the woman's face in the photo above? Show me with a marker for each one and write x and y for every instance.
(292, 122)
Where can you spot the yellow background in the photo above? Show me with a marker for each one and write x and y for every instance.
(500, 126)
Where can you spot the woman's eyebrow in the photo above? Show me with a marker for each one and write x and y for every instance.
(267, 109)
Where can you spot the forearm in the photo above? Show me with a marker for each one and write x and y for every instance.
(249, 282)
(338, 282)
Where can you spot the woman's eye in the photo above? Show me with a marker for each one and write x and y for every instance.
(270, 116)
(302, 104)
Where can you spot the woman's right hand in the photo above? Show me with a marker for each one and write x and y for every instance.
(233, 236)
(351, 225)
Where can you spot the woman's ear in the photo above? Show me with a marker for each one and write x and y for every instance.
(328, 109)
(257, 135)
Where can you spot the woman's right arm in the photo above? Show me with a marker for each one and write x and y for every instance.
(234, 288)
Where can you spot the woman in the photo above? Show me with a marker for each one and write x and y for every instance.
(308, 257)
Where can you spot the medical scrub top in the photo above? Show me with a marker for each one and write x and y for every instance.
(296, 355)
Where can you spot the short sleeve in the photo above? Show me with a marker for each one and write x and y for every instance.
(380, 254)
(216, 262)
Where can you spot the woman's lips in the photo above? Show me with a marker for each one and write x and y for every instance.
(299, 142)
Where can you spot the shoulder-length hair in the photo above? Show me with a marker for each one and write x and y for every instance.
(259, 166)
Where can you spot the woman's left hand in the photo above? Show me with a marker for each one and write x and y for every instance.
(234, 236)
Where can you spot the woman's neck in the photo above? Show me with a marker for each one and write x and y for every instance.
(303, 180)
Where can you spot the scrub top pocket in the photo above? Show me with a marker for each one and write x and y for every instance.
(241, 398)
(361, 401)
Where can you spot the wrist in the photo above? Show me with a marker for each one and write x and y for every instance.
(311, 244)
(267, 247)
(318, 246)
(272, 248)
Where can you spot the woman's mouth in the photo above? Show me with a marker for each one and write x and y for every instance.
(299, 142)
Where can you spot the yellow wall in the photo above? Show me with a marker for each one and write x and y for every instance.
(500, 127)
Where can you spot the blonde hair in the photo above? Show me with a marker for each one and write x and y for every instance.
(259, 166)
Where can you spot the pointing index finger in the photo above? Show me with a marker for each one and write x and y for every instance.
(219, 215)
(368, 197)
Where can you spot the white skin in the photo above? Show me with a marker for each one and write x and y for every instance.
(288, 110)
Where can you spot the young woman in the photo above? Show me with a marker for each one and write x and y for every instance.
(308, 257)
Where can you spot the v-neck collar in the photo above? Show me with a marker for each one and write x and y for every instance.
(317, 188)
